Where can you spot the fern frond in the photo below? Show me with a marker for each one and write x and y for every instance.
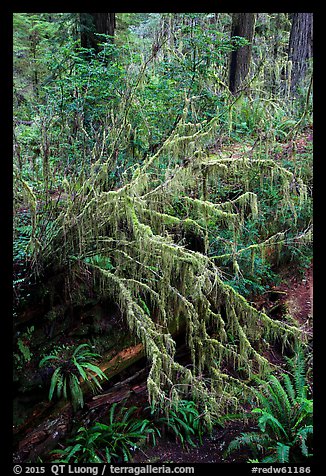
(95, 369)
(273, 392)
(283, 452)
(271, 458)
(73, 451)
(265, 402)
(76, 392)
(79, 368)
(289, 388)
(111, 413)
(65, 394)
(47, 358)
(56, 377)
(282, 398)
(255, 441)
(78, 349)
(298, 366)
(302, 436)
(268, 419)
(127, 413)
(60, 382)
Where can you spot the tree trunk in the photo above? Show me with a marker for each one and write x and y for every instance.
(243, 24)
(95, 23)
(277, 37)
(300, 47)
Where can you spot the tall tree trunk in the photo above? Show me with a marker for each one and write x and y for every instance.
(35, 81)
(300, 47)
(95, 23)
(243, 24)
(277, 36)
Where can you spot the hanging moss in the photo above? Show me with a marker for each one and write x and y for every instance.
(157, 282)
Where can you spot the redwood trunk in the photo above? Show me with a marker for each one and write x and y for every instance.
(243, 24)
(300, 47)
(92, 24)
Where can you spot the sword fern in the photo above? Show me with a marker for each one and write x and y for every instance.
(284, 418)
(71, 368)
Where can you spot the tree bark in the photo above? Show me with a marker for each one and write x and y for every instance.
(243, 24)
(95, 23)
(300, 47)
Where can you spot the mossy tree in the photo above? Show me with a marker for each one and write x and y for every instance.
(158, 282)
(142, 241)
(94, 24)
(300, 47)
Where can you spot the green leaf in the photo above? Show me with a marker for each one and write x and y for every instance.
(95, 369)
(80, 369)
(283, 452)
(56, 377)
(78, 349)
(302, 436)
(47, 358)
(267, 418)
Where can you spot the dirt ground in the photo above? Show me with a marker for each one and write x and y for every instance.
(211, 451)
(299, 299)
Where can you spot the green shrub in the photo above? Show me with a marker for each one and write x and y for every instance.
(185, 422)
(109, 443)
(285, 424)
(25, 355)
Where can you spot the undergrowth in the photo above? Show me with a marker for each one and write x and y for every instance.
(284, 418)
(111, 443)
(132, 193)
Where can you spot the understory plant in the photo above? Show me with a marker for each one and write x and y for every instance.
(112, 442)
(184, 421)
(285, 419)
(71, 369)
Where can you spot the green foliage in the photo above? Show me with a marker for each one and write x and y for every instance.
(122, 133)
(291, 221)
(100, 261)
(22, 238)
(71, 368)
(129, 229)
(112, 442)
(184, 421)
(265, 118)
(285, 418)
(23, 343)
(188, 69)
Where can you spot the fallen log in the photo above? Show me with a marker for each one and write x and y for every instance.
(46, 435)
(44, 438)
(57, 424)
(109, 398)
(114, 395)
